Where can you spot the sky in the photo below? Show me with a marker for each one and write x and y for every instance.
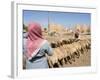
(67, 19)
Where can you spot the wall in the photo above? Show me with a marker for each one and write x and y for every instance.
(5, 39)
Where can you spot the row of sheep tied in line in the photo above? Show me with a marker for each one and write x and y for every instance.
(66, 51)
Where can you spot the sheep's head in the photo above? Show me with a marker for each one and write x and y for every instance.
(64, 42)
(53, 45)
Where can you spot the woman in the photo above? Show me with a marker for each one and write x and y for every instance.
(36, 48)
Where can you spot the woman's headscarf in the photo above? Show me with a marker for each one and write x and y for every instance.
(35, 40)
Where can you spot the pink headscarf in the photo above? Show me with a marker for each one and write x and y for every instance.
(35, 40)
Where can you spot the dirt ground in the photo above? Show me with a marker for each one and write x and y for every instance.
(83, 60)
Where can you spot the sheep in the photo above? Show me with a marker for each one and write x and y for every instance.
(54, 58)
(61, 52)
(75, 52)
(84, 44)
(67, 50)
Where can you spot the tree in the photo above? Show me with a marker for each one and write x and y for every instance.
(25, 28)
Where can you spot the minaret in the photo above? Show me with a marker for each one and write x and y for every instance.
(48, 22)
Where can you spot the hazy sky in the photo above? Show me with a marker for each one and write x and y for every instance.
(67, 19)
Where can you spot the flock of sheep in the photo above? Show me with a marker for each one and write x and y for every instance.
(67, 51)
